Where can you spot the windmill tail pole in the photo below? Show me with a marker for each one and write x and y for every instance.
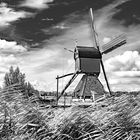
(95, 37)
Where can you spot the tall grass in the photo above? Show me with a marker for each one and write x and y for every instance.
(115, 118)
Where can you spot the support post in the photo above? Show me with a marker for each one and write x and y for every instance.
(57, 90)
(64, 101)
(85, 86)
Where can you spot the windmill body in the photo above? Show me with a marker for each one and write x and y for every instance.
(87, 62)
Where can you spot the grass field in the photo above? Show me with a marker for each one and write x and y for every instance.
(114, 118)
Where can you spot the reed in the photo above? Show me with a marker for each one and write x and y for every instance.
(115, 118)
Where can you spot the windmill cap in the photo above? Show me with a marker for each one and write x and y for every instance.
(86, 52)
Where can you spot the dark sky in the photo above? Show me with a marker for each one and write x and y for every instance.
(31, 29)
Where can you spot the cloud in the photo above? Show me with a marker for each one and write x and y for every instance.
(61, 26)
(11, 47)
(40, 85)
(44, 65)
(81, 32)
(108, 27)
(105, 14)
(106, 40)
(123, 71)
(8, 15)
(36, 4)
(9, 56)
(8, 60)
(128, 61)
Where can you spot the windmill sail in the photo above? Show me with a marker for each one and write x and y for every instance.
(113, 44)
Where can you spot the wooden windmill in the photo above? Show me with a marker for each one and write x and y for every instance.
(88, 61)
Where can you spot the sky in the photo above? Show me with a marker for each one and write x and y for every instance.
(34, 33)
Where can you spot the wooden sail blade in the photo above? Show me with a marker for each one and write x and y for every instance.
(114, 44)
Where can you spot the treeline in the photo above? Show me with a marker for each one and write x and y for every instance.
(16, 77)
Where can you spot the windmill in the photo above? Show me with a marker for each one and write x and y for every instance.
(88, 61)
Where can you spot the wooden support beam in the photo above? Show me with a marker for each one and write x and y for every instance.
(57, 92)
(59, 77)
(67, 85)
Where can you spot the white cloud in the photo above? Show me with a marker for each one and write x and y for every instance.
(8, 50)
(8, 15)
(106, 40)
(10, 59)
(61, 26)
(6, 62)
(104, 15)
(11, 46)
(128, 61)
(126, 74)
(40, 85)
(123, 71)
(36, 4)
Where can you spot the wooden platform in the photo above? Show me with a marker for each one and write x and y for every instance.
(69, 101)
